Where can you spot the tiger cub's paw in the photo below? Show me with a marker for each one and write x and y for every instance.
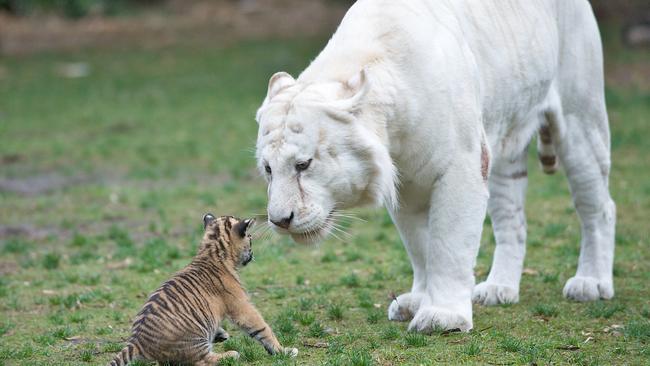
(290, 351)
(231, 354)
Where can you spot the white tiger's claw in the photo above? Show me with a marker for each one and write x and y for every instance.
(404, 307)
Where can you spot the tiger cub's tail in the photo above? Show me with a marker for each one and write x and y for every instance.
(126, 355)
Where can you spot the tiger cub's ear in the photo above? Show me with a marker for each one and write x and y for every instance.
(243, 226)
(207, 219)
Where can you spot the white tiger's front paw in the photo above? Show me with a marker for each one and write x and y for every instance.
(432, 318)
(582, 289)
(404, 307)
(493, 294)
(290, 351)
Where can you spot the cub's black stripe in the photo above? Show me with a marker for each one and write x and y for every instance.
(207, 277)
(191, 284)
(188, 309)
(162, 303)
(205, 351)
(255, 333)
(222, 248)
(199, 298)
(217, 230)
(268, 348)
(180, 301)
(147, 335)
(206, 281)
(228, 224)
(223, 286)
(198, 319)
(208, 274)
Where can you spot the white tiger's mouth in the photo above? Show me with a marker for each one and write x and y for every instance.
(314, 235)
(311, 237)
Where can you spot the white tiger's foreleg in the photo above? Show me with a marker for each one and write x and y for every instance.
(456, 217)
(507, 184)
(412, 224)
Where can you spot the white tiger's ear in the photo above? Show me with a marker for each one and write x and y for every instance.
(358, 82)
(356, 89)
(279, 81)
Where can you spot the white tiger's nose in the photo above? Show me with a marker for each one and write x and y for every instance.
(283, 222)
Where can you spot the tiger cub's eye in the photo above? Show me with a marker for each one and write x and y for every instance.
(268, 169)
(303, 165)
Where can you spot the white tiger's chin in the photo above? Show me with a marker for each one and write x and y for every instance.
(310, 237)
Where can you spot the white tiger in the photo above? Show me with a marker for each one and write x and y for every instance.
(428, 106)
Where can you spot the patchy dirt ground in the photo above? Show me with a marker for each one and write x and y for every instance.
(38, 184)
(635, 75)
(180, 21)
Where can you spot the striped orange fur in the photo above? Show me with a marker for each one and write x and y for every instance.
(182, 318)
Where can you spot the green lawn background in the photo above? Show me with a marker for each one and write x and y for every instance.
(152, 139)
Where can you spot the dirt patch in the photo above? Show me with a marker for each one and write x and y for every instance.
(629, 75)
(178, 21)
(26, 231)
(39, 184)
(8, 268)
(620, 9)
(9, 159)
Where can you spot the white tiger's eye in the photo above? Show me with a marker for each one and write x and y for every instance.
(268, 169)
(303, 165)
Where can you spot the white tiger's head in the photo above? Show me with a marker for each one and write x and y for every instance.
(319, 153)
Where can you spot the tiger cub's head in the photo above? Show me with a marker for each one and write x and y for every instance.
(228, 238)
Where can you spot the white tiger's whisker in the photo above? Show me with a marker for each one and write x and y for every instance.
(347, 216)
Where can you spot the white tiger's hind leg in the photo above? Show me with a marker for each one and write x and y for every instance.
(584, 153)
(507, 184)
(583, 147)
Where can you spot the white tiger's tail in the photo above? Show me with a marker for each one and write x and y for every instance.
(546, 150)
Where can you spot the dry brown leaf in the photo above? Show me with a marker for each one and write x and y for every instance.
(316, 344)
(120, 265)
(568, 347)
(530, 272)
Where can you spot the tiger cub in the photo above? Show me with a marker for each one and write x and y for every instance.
(182, 318)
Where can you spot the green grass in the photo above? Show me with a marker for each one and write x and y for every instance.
(415, 340)
(153, 139)
(545, 310)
